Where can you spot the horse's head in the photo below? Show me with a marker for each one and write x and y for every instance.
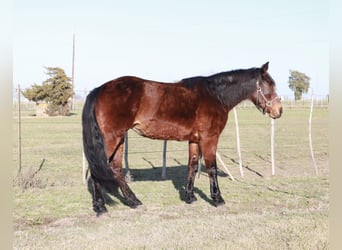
(265, 97)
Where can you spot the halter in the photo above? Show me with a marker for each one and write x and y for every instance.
(268, 103)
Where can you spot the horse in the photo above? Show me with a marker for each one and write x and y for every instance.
(194, 109)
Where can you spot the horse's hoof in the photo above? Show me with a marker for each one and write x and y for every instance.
(100, 211)
(135, 204)
(190, 198)
(219, 202)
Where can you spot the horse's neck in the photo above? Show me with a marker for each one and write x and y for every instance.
(231, 94)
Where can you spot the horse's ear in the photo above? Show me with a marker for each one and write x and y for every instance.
(264, 67)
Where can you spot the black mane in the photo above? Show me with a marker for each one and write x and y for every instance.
(228, 77)
(234, 76)
(229, 87)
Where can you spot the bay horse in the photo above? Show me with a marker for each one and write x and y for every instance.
(194, 109)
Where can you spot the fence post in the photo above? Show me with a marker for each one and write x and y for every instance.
(199, 166)
(128, 175)
(238, 141)
(164, 160)
(222, 163)
(310, 138)
(272, 146)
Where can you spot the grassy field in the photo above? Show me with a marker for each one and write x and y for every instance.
(285, 211)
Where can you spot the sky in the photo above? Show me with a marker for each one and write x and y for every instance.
(170, 40)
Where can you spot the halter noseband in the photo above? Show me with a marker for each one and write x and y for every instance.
(268, 103)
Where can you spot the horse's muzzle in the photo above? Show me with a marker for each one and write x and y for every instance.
(276, 111)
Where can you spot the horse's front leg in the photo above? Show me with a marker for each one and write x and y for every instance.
(209, 148)
(194, 154)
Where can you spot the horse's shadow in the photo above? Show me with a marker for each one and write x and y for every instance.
(176, 174)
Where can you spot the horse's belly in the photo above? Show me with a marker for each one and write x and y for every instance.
(162, 130)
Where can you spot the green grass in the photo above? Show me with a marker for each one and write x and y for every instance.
(286, 211)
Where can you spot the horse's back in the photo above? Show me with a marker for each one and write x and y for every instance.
(133, 102)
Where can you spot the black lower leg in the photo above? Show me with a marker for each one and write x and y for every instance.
(214, 187)
(189, 192)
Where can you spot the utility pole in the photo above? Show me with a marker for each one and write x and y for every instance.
(73, 71)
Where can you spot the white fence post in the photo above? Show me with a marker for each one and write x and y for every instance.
(222, 163)
(272, 146)
(238, 141)
(310, 137)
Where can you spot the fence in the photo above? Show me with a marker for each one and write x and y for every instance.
(251, 136)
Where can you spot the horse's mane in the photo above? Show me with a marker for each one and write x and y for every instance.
(226, 86)
(227, 77)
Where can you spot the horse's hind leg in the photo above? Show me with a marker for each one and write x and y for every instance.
(194, 154)
(98, 200)
(116, 166)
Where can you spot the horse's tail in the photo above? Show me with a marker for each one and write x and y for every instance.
(93, 145)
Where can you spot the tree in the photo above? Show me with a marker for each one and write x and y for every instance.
(56, 91)
(299, 83)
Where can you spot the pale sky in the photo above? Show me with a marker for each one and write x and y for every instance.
(170, 40)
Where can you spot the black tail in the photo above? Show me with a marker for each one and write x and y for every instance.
(93, 144)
